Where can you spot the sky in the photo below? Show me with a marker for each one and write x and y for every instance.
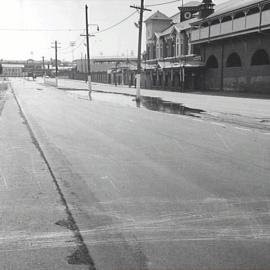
(29, 28)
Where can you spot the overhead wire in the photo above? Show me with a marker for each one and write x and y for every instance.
(161, 4)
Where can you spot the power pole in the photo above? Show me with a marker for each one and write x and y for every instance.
(72, 45)
(138, 76)
(56, 61)
(88, 53)
(85, 65)
(43, 66)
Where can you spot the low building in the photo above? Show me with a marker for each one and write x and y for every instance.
(12, 70)
(112, 70)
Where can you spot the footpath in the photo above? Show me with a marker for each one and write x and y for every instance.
(30, 206)
(252, 112)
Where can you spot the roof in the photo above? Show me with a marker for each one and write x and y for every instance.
(192, 4)
(185, 24)
(13, 65)
(232, 5)
(158, 16)
(178, 27)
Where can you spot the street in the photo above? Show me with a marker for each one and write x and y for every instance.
(102, 185)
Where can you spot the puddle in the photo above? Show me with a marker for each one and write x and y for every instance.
(149, 103)
(160, 105)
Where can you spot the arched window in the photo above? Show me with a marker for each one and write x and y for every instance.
(233, 60)
(260, 58)
(212, 62)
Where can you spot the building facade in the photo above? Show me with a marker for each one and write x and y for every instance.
(208, 47)
(172, 62)
(234, 43)
(111, 70)
(12, 70)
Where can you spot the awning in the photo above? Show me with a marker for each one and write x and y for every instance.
(149, 66)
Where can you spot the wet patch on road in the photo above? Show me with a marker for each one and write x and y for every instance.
(146, 102)
(160, 105)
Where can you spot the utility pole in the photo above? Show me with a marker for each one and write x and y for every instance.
(43, 66)
(85, 65)
(88, 54)
(138, 76)
(72, 45)
(56, 62)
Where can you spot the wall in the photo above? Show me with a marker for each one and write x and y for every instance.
(246, 78)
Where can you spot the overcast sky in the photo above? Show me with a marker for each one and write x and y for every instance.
(19, 17)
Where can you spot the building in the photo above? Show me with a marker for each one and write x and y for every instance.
(224, 47)
(112, 70)
(172, 62)
(12, 70)
(234, 42)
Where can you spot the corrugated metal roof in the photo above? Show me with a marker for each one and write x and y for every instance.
(12, 65)
(178, 27)
(232, 5)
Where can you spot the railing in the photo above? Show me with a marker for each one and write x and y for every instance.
(215, 30)
(195, 34)
(226, 27)
(204, 33)
(240, 24)
(266, 17)
(253, 21)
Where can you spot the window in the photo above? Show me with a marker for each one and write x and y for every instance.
(259, 58)
(212, 62)
(234, 60)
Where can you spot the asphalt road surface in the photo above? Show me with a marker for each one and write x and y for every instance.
(146, 190)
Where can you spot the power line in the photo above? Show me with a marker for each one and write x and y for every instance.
(161, 4)
(116, 24)
(41, 30)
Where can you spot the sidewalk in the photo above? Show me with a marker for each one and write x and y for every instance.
(30, 206)
(252, 112)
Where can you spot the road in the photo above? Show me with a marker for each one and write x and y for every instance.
(146, 190)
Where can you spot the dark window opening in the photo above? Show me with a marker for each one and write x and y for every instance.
(239, 15)
(233, 60)
(266, 7)
(260, 58)
(227, 19)
(212, 62)
(253, 11)
(215, 22)
(204, 25)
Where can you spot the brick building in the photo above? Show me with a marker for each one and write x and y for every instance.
(224, 47)
(234, 42)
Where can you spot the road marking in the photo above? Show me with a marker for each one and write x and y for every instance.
(244, 129)
(217, 124)
(4, 178)
(197, 120)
